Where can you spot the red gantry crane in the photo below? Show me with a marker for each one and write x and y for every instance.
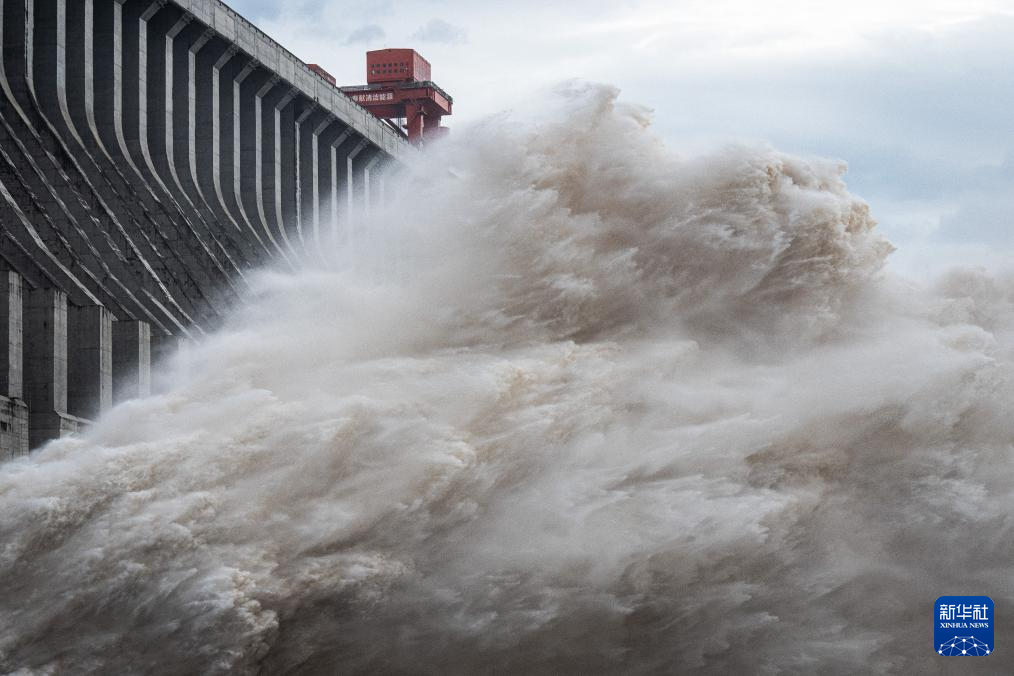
(398, 87)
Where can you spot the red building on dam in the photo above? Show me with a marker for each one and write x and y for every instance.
(400, 87)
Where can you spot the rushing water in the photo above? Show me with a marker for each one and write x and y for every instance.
(574, 406)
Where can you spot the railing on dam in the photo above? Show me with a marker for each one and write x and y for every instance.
(152, 152)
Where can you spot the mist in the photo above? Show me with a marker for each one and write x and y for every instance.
(573, 403)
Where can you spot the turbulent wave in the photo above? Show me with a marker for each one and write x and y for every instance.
(576, 405)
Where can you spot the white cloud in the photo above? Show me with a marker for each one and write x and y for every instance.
(438, 30)
(365, 34)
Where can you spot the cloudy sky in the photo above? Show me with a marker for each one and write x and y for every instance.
(916, 95)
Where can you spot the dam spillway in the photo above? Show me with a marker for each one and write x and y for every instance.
(152, 152)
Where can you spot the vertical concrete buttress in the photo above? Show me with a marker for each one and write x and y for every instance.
(355, 163)
(288, 121)
(228, 74)
(334, 145)
(80, 68)
(252, 83)
(205, 139)
(274, 101)
(307, 175)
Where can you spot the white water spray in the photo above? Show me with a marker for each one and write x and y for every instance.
(618, 413)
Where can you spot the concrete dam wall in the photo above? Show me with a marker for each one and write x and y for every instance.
(151, 152)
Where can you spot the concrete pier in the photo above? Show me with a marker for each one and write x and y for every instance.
(46, 365)
(11, 334)
(90, 361)
(13, 409)
(152, 152)
(131, 360)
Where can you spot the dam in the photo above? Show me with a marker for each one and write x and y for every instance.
(152, 153)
